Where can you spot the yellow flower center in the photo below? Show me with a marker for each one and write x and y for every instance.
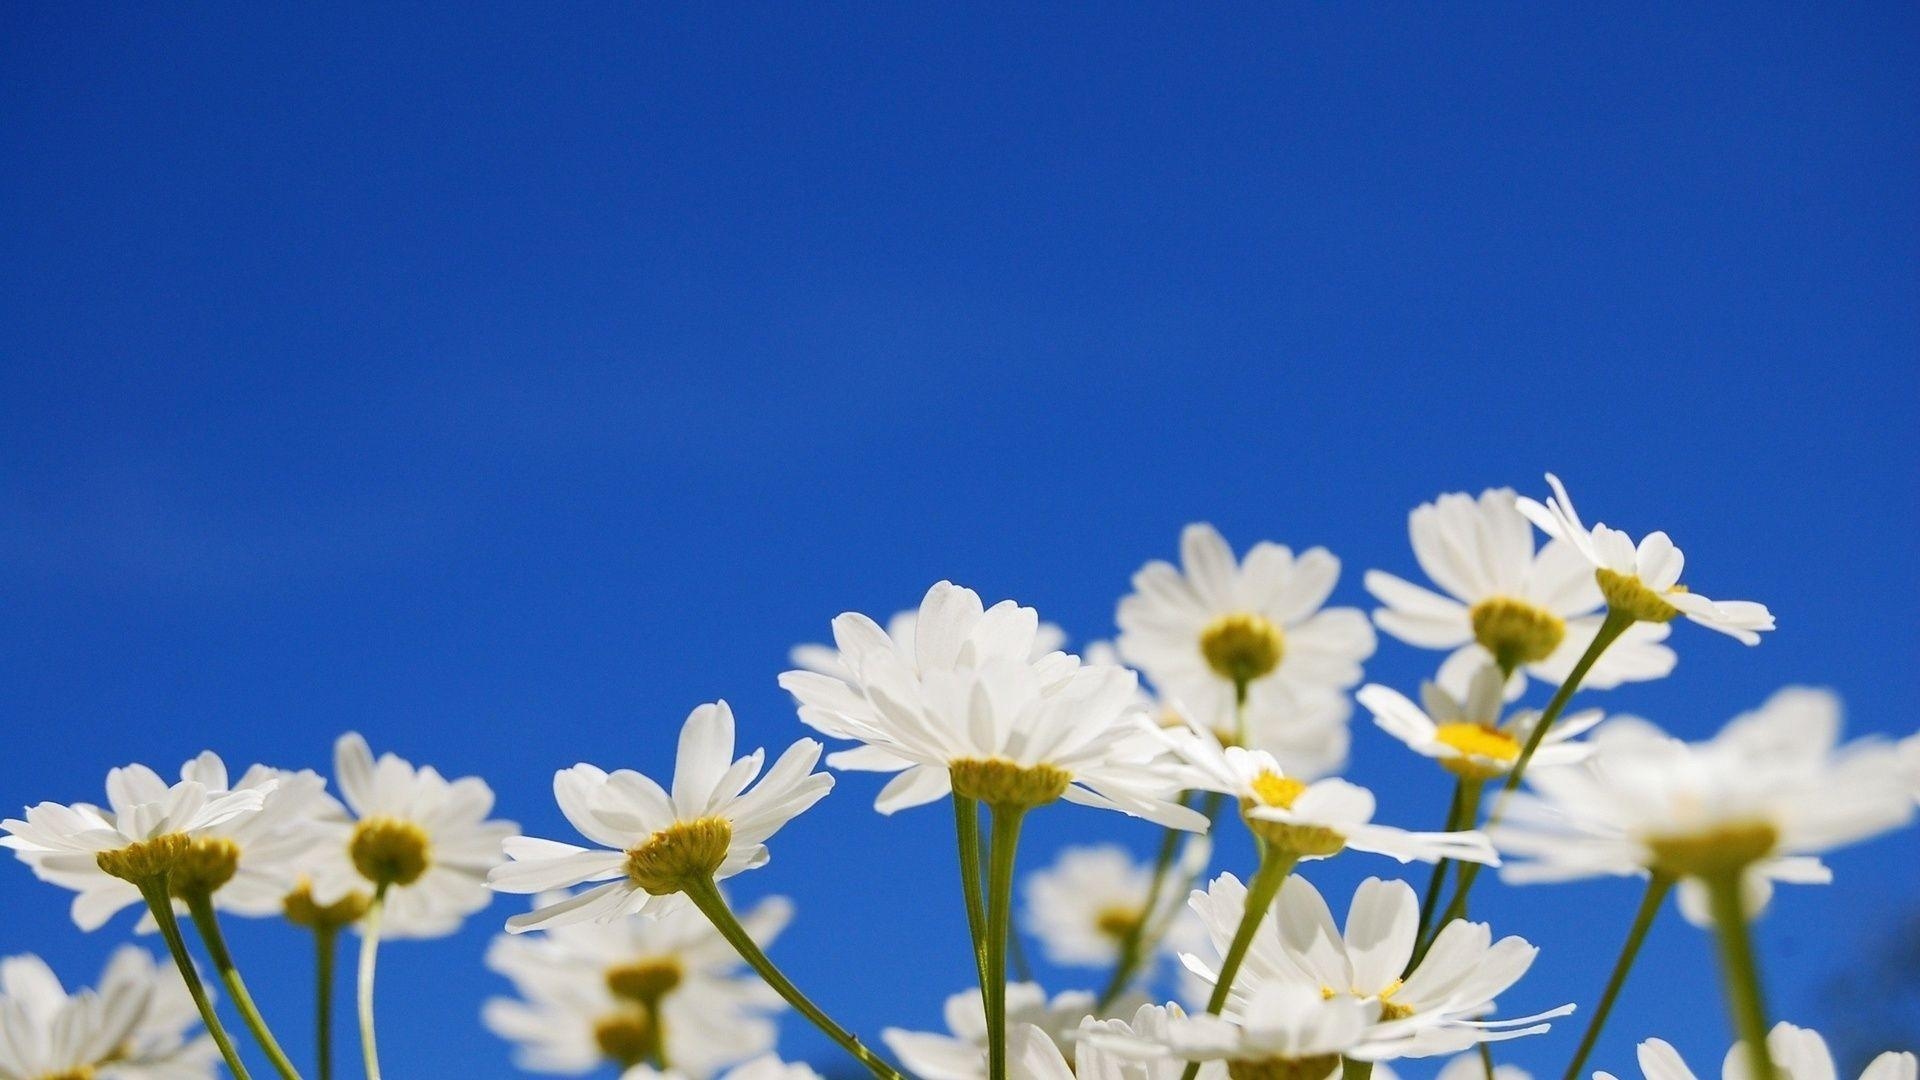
(207, 863)
(1389, 1008)
(82, 1072)
(1275, 790)
(1484, 751)
(1242, 646)
(1516, 632)
(1118, 922)
(999, 782)
(1718, 852)
(146, 860)
(627, 1038)
(303, 910)
(1317, 1067)
(680, 855)
(388, 851)
(644, 981)
(1301, 841)
(1628, 595)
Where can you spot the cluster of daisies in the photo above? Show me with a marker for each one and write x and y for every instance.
(1224, 703)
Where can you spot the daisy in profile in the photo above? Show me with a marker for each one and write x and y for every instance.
(1440, 1006)
(1098, 1060)
(962, 1053)
(635, 990)
(1529, 612)
(1228, 633)
(1642, 581)
(1285, 1030)
(136, 1026)
(167, 1043)
(1466, 736)
(655, 845)
(825, 659)
(1798, 1053)
(766, 1067)
(1093, 899)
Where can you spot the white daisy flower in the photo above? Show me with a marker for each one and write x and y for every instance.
(825, 659)
(1798, 1054)
(655, 844)
(1530, 612)
(973, 714)
(150, 832)
(962, 1054)
(1437, 1008)
(1643, 580)
(424, 839)
(1910, 761)
(1309, 820)
(1093, 899)
(1772, 790)
(767, 1067)
(625, 990)
(1219, 629)
(1098, 1060)
(1467, 737)
(1467, 1067)
(1286, 1029)
(132, 1028)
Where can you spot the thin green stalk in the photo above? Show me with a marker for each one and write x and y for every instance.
(324, 940)
(200, 907)
(1266, 883)
(369, 957)
(1740, 973)
(1143, 939)
(161, 904)
(705, 895)
(1657, 888)
(1611, 628)
(1432, 898)
(966, 823)
(1000, 859)
(1358, 1070)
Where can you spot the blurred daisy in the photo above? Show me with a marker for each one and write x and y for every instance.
(1642, 580)
(1093, 899)
(962, 1053)
(167, 1043)
(654, 845)
(628, 990)
(767, 1067)
(1910, 761)
(1771, 790)
(825, 659)
(1150, 1025)
(1798, 1054)
(1309, 820)
(1467, 737)
(1438, 1007)
(1222, 630)
(1285, 1030)
(134, 1027)
(1530, 612)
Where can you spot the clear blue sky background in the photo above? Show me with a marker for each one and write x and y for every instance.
(502, 381)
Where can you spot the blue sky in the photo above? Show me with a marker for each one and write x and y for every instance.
(502, 382)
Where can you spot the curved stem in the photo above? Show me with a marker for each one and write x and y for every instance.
(200, 907)
(705, 895)
(369, 957)
(1740, 973)
(1432, 898)
(1000, 859)
(1130, 943)
(1657, 887)
(324, 939)
(1266, 883)
(966, 823)
(155, 893)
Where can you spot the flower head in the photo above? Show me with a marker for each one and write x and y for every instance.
(1467, 737)
(1093, 898)
(1284, 1030)
(1221, 630)
(765, 1067)
(654, 845)
(962, 1054)
(1099, 1059)
(1527, 611)
(901, 634)
(1643, 580)
(1798, 1054)
(138, 1025)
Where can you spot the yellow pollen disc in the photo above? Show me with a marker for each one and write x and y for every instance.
(999, 782)
(644, 981)
(1725, 850)
(1307, 1068)
(207, 863)
(302, 910)
(1302, 841)
(1242, 646)
(680, 855)
(1516, 632)
(627, 1038)
(1117, 923)
(388, 851)
(1483, 751)
(146, 860)
(83, 1072)
(1275, 790)
(1628, 595)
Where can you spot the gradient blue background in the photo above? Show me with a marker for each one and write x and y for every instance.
(502, 381)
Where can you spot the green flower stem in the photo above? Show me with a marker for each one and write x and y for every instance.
(1274, 868)
(1431, 900)
(966, 822)
(1739, 973)
(161, 904)
(1358, 1070)
(324, 941)
(706, 896)
(1611, 628)
(1000, 859)
(200, 907)
(369, 957)
(1657, 888)
(1143, 940)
